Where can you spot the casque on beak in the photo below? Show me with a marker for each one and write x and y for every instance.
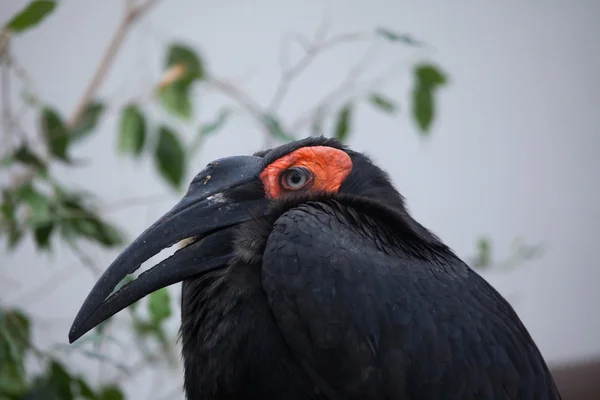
(208, 211)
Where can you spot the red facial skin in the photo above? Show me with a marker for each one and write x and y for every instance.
(329, 168)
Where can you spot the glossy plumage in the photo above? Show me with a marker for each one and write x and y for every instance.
(345, 296)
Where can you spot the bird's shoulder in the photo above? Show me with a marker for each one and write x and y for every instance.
(374, 308)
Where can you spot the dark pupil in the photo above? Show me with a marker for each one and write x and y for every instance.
(296, 178)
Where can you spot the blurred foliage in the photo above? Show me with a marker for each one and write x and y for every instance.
(30, 16)
(132, 135)
(428, 79)
(35, 203)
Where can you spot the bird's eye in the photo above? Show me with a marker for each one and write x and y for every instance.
(295, 178)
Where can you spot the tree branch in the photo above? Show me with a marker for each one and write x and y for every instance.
(131, 16)
(250, 105)
(6, 101)
(240, 97)
(312, 50)
(349, 82)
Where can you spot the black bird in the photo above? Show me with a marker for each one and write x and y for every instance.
(304, 277)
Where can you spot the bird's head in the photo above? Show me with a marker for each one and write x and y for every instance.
(228, 192)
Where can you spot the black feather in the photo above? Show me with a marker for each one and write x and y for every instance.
(346, 296)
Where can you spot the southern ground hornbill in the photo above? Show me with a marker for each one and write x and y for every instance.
(304, 277)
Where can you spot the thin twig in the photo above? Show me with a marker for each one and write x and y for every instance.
(247, 103)
(131, 16)
(313, 50)
(86, 260)
(289, 73)
(349, 82)
(6, 103)
(23, 75)
(250, 105)
(44, 289)
(4, 40)
(136, 201)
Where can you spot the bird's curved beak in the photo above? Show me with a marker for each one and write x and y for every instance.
(212, 206)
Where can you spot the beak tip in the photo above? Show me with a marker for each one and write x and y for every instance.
(74, 334)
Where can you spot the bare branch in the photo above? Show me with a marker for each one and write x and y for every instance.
(250, 105)
(236, 94)
(146, 200)
(348, 84)
(4, 40)
(86, 260)
(303, 41)
(312, 50)
(131, 16)
(44, 289)
(6, 101)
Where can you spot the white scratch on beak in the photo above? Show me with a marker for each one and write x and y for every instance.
(217, 198)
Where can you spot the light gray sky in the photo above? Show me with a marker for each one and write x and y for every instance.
(513, 151)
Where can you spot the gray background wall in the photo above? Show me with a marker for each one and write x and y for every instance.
(513, 151)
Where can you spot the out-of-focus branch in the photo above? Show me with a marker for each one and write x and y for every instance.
(132, 14)
(240, 97)
(5, 87)
(311, 50)
(44, 289)
(4, 40)
(128, 202)
(346, 86)
(86, 260)
(10, 122)
(236, 94)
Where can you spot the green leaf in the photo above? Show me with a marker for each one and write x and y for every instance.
(100, 231)
(143, 328)
(60, 381)
(423, 108)
(88, 121)
(9, 205)
(383, 103)
(208, 129)
(169, 157)
(31, 15)
(81, 221)
(26, 156)
(84, 389)
(176, 99)
(484, 253)
(159, 305)
(55, 133)
(132, 135)
(8, 222)
(111, 393)
(217, 124)
(12, 379)
(430, 76)
(15, 334)
(428, 79)
(275, 129)
(342, 126)
(39, 204)
(398, 37)
(179, 53)
(42, 235)
(15, 234)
